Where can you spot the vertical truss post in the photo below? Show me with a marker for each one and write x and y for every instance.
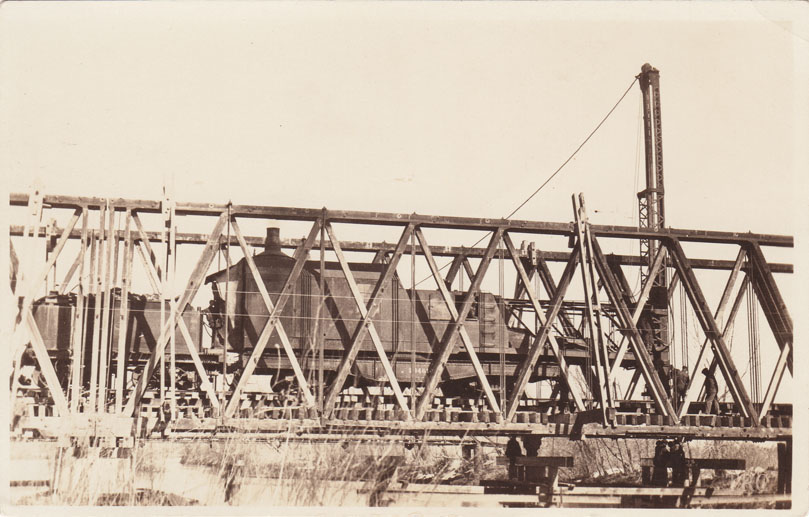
(97, 308)
(445, 349)
(106, 312)
(76, 337)
(123, 316)
(593, 306)
(274, 316)
(712, 331)
(321, 318)
(526, 367)
(366, 324)
(413, 314)
(453, 311)
(168, 206)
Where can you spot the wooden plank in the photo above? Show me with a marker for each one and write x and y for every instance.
(706, 463)
(538, 461)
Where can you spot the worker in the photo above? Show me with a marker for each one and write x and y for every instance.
(532, 443)
(711, 391)
(679, 470)
(660, 465)
(513, 451)
(681, 384)
(564, 404)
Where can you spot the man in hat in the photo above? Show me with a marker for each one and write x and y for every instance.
(679, 470)
(711, 391)
(660, 465)
(513, 451)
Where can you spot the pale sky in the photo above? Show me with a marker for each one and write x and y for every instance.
(435, 108)
(457, 109)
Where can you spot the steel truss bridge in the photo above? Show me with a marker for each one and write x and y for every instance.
(117, 403)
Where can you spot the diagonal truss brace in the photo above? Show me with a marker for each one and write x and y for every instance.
(453, 311)
(594, 321)
(711, 330)
(366, 324)
(445, 349)
(525, 369)
(262, 289)
(194, 281)
(693, 387)
(642, 298)
(286, 292)
(775, 310)
(642, 358)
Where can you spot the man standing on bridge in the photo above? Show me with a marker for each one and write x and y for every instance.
(513, 451)
(711, 391)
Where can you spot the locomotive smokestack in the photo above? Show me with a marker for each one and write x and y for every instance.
(272, 243)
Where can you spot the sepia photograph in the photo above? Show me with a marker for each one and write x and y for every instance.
(403, 258)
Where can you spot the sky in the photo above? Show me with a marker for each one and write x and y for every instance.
(436, 108)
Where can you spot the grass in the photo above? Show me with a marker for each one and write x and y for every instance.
(289, 471)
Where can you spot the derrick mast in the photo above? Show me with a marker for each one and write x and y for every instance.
(652, 216)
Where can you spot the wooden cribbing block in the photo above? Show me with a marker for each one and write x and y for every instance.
(539, 461)
(705, 463)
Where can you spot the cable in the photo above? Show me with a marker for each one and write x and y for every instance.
(557, 171)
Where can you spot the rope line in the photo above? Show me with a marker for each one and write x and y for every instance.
(557, 171)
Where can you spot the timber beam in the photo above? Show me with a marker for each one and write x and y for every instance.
(425, 221)
(437, 251)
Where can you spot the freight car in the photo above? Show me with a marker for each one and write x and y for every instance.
(410, 324)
